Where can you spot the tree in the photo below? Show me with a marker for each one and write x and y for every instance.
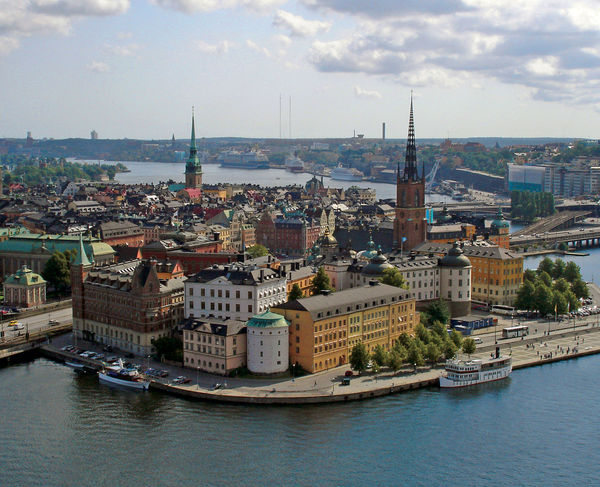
(393, 277)
(321, 282)
(379, 356)
(543, 299)
(559, 268)
(439, 329)
(422, 333)
(546, 265)
(170, 348)
(257, 250)
(559, 302)
(57, 271)
(572, 272)
(449, 349)
(405, 340)
(525, 296)
(433, 353)
(456, 338)
(359, 357)
(414, 355)
(572, 301)
(469, 346)
(295, 293)
(396, 359)
(529, 275)
(438, 311)
(580, 289)
(545, 278)
(561, 285)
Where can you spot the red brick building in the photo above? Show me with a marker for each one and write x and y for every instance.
(292, 236)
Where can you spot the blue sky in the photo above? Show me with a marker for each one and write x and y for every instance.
(134, 68)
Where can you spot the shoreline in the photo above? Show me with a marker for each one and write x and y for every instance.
(367, 386)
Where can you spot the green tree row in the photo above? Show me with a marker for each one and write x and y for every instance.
(428, 345)
(555, 287)
(529, 205)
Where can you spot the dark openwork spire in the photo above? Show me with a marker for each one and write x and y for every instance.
(411, 173)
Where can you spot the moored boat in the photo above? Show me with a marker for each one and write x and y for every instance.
(341, 173)
(121, 376)
(461, 373)
(74, 365)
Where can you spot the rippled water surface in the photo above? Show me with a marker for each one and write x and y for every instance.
(540, 427)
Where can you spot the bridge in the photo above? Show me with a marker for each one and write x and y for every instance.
(558, 221)
(583, 237)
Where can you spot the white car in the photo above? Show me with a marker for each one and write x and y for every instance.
(477, 340)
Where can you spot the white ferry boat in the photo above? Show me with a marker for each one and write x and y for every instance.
(461, 373)
(294, 164)
(341, 173)
(121, 376)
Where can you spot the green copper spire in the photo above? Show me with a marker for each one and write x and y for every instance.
(193, 161)
(81, 258)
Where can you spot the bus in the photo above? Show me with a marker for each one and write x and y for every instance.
(479, 305)
(501, 309)
(515, 331)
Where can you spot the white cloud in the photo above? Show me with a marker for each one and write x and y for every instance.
(8, 44)
(221, 47)
(361, 93)
(299, 26)
(124, 35)
(191, 6)
(125, 50)
(22, 18)
(255, 47)
(550, 47)
(98, 67)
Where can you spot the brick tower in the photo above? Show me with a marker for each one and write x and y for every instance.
(80, 267)
(193, 168)
(410, 224)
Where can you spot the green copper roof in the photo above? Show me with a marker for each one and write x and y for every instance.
(81, 258)
(193, 163)
(500, 222)
(25, 277)
(267, 320)
(37, 244)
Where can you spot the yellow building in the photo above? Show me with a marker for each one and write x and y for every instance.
(497, 274)
(324, 328)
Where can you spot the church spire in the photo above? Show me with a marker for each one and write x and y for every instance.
(411, 173)
(193, 159)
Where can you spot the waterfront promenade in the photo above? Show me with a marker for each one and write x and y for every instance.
(325, 387)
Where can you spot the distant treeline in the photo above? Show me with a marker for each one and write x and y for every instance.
(528, 205)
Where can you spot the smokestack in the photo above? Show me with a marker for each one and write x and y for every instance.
(383, 131)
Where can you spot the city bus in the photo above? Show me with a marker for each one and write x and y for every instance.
(515, 331)
(479, 305)
(501, 309)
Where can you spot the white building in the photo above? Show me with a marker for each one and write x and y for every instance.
(455, 281)
(267, 343)
(233, 291)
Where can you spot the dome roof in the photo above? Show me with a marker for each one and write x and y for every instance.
(378, 264)
(267, 320)
(327, 240)
(500, 222)
(371, 250)
(455, 258)
(445, 217)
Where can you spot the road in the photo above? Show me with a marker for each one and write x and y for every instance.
(36, 323)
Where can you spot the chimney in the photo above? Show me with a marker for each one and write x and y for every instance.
(383, 130)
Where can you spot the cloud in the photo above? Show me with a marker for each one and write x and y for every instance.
(8, 44)
(98, 67)
(255, 47)
(124, 35)
(221, 47)
(299, 26)
(125, 50)
(23, 18)
(192, 6)
(550, 47)
(360, 93)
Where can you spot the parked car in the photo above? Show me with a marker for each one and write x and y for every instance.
(477, 340)
(163, 373)
(52, 322)
(349, 373)
(181, 380)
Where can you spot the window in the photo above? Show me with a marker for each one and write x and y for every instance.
(237, 295)
(212, 293)
(191, 304)
(191, 291)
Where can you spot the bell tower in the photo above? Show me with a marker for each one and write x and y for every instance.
(193, 168)
(410, 224)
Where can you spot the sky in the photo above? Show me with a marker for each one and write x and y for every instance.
(135, 68)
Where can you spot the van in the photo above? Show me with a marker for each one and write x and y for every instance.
(477, 340)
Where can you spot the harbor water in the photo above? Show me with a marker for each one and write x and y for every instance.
(537, 428)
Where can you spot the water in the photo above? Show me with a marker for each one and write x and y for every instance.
(589, 265)
(539, 427)
(154, 172)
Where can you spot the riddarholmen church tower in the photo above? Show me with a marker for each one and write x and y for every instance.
(410, 224)
(193, 168)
